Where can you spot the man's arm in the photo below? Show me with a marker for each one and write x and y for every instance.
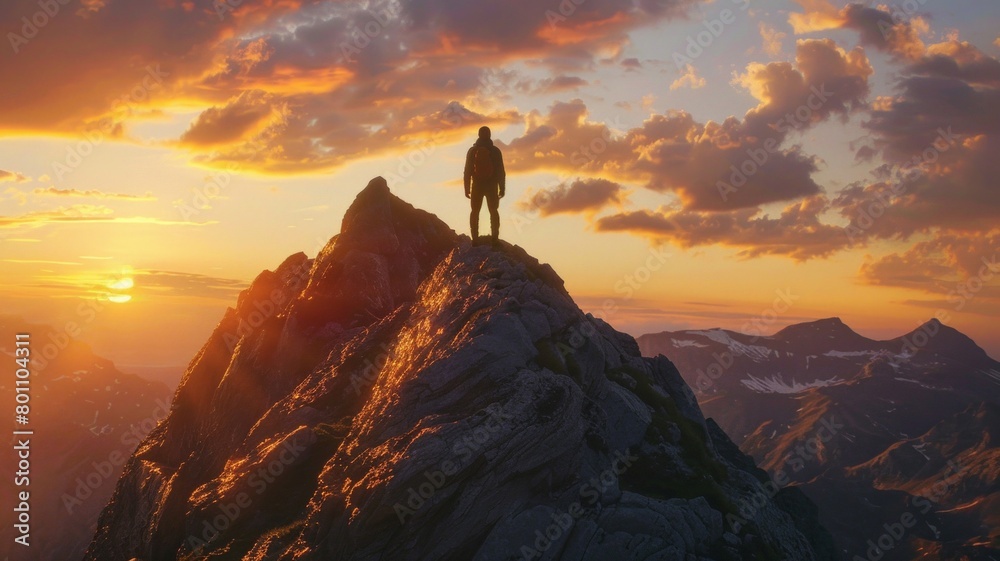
(501, 173)
(467, 178)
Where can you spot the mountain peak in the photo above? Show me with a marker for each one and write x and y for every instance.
(384, 250)
(825, 332)
(933, 336)
(427, 398)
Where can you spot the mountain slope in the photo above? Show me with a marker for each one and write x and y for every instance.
(872, 431)
(408, 395)
(87, 417)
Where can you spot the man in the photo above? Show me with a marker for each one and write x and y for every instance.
(485, 177)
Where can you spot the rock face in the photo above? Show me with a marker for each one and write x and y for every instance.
(872, 431)
(409, 395)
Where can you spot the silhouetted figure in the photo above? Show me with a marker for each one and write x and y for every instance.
(485, 177)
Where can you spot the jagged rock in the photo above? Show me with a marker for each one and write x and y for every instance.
(421, 397)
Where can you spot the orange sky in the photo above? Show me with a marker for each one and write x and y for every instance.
(688, 165)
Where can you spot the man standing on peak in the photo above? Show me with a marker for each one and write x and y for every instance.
(485, 177)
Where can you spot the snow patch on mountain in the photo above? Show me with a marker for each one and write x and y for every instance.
(847, 354)
(755, 352)
(679, 343)
(777, 384)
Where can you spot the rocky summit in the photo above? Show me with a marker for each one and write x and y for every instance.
(407, 394)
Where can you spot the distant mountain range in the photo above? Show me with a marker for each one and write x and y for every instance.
(87, 418)
(896, 441)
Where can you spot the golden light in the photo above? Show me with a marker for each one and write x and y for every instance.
(121, 284)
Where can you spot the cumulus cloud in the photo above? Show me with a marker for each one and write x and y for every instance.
(772, 39)
(710, 166)
(582, 195)
(689, 79)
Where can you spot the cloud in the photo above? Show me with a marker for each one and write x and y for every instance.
(295, 86)
(633, 63)
(878, 28)
(586, 195)
(819, 15)
(772, 39)
(16, 194)
(959, 60)
(173, 283)
(561, 83)
(960, 266)
(689, 79)
(796, 233)
(12, 176)
(711, 166)
(93, 193)
(938, 138)
(79, 214)
(241, 118)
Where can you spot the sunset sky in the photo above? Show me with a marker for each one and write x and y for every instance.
(691, 163)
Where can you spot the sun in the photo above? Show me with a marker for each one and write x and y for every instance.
(120, 286)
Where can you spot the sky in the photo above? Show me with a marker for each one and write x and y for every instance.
(682, 164)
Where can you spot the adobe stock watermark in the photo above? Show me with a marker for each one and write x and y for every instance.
(895, 531)
(565, 10)
(103, 470)
(959, 297)
(757, 157)
(804, 452)
(362, 36)
(77, 153)
(453, 117)
(899, 185)
(699, 43)
(899, 13)
(581, 156)
(259, 481)
(462, 454)
(203, 195)
(705, 379)
(590, 492)
(33, 24)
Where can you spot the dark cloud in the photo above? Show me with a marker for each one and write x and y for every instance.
(797, 232)
(879, 29)
(938, 139)
(631, 63)
(586, 195)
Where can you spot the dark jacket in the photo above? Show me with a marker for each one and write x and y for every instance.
(501, 175)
